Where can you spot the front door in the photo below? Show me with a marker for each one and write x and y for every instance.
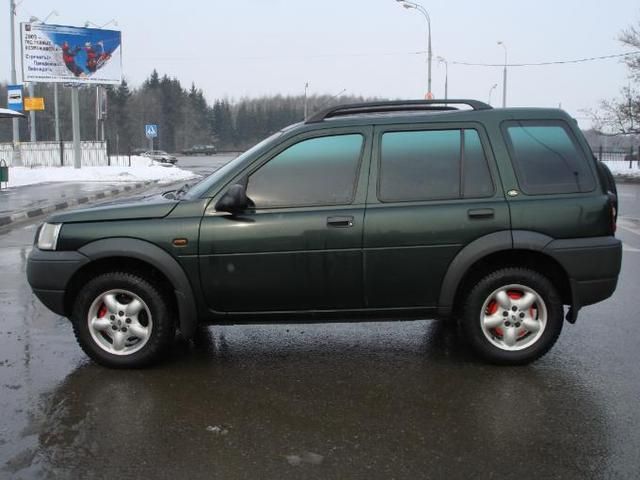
(300, 248)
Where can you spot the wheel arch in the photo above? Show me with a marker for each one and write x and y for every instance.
(499, 250)
(145, 258)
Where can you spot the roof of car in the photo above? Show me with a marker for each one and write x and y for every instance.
(423, 111)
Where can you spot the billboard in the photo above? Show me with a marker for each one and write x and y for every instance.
(57, 53)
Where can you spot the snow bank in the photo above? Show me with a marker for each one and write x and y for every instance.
(622, 168)
(141, 169)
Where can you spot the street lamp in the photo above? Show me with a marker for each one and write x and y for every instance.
(494, 86)
(33, 19)
(446, 76)
(89, 23)
(504, 75)
(416, 6)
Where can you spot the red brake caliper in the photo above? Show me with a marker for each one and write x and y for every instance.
(103, 311)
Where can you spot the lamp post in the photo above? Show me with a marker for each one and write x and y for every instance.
(493, 87)
(306, 88)
(416, 6)
(504, 75)
(446, 76)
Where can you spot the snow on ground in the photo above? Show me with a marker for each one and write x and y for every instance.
(621, 168)
(141, 169)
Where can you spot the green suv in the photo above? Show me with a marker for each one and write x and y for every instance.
(495, 218)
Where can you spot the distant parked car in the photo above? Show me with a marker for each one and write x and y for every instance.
(160, 156)
(138, 151)
(632, 157)
(200, 150)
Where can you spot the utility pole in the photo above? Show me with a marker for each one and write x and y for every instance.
(504, 76)
(446, 76)
(17, 160)
(97, 112)
(75, 120)
(306, 109)
(55, 111)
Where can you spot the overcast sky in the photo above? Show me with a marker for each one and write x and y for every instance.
(256, 47)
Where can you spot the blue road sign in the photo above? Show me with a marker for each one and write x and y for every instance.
(151, 131)
(14, 97)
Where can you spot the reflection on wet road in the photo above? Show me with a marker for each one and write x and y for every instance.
(373, 400)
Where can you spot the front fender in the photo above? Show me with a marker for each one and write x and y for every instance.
(158, 258)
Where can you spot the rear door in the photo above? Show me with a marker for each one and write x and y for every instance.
(300, 248)
(432, 190)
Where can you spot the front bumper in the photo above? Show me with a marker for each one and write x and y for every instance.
(49, 273)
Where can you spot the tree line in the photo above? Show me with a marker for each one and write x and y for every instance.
(183, 115)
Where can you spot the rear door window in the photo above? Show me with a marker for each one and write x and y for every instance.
(547, 158)
(433, 165)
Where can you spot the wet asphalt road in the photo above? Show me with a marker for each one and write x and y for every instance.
(373, 400)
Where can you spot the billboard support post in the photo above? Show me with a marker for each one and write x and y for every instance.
(75, 120)
(97, 112)
(32, 118)
(55, 111)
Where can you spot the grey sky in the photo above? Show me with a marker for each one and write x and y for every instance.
(250, 48)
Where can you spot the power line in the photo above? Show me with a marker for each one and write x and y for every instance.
(556, 62)
(378, 54)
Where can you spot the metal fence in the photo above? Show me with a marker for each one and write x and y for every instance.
(631, 156)
(56, 154)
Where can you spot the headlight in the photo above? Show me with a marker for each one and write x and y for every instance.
(48, 236)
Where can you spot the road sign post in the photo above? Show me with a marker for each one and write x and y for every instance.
(151, 131)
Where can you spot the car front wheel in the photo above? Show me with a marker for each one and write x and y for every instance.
(512, 316)
(121, 320)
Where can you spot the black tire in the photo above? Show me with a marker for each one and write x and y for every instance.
(163, 325)
(471, 320)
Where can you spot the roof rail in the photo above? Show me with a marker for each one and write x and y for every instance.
(394, 106)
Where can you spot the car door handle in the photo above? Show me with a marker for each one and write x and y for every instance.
(480, 213)
(340, 222)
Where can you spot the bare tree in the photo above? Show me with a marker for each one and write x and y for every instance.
(622, 115)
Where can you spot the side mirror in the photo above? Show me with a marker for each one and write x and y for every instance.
(234, 200)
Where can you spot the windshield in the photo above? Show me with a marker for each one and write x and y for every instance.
(204, 185)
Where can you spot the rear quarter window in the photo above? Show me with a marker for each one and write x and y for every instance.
(547, 158)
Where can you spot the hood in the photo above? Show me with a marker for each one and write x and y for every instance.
(154, 206)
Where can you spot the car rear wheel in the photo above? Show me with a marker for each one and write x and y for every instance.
(512, 316)
(121, 320)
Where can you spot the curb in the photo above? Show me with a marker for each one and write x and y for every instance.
(37, 212)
